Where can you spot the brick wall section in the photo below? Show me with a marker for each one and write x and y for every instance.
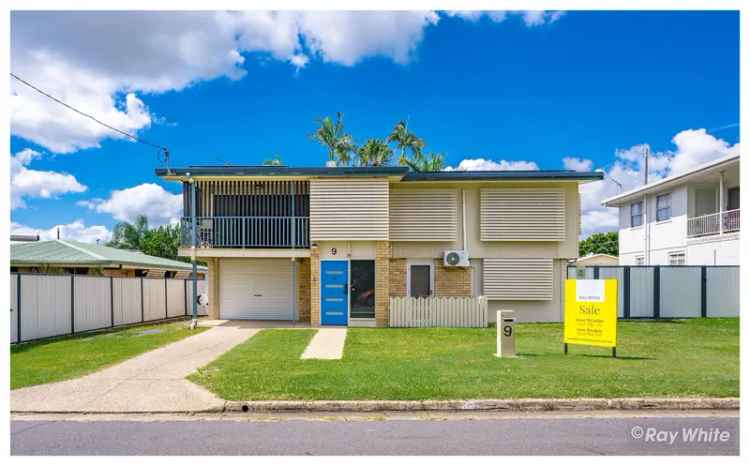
(314, 286)
(382, 282)
(213, 292)
(452, 281)
(118, 272)
(397, 273)
(303, 290)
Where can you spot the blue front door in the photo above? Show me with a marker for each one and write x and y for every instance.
(334, 292)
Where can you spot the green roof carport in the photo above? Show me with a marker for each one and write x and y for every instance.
(65, 253)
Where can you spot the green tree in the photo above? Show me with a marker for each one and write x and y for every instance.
(406, 142)
(432, 163)
(161, 242)
(332, 135)
(599, 243)
(374, 153)
(274, 161)
(129, 236)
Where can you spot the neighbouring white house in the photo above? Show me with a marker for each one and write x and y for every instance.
(691, 218)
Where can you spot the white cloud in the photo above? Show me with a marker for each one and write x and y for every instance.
(76, 231)
(149, 199)
(488, 165)
(693, 147)
(538, 18)
(29, 183)
(530, 18)
(576, 164)
(102, 62)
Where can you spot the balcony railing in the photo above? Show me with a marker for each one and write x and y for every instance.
(248, 232)
(713, 224)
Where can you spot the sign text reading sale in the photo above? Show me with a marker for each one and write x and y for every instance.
(591, 313)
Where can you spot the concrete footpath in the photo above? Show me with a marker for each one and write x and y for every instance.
(328, 343)
(151, 382)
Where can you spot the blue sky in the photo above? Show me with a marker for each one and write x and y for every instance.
(524, 89)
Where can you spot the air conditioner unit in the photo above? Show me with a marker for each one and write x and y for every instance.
(455, 259)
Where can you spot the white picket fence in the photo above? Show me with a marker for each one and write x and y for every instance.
(466, 311)
(44, 305)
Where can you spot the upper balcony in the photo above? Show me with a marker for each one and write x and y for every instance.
(714, 224)
(247, 214)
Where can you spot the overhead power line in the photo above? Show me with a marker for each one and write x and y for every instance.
(163, 149)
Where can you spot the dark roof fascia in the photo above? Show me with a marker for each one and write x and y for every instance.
(512, 175)
(280, 171)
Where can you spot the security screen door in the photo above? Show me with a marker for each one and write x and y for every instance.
(420, 281)
(363, 289)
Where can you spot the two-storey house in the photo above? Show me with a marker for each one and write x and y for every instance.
(329, 246)
(691, 218)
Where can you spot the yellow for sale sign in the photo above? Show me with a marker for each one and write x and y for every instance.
(591, 312)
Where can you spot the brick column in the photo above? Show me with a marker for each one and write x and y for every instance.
(213, 291)
(397, 273)
(382, 282)
(303, 290)
(314, 286)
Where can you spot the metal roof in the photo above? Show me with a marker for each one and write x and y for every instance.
(402, 172)
(74, 253)
(503, 175)
(256, 170)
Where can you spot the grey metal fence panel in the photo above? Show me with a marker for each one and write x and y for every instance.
(153, 299)
(92, 302)
(642, 292)
(618, 273)
(680, 292)
(175, 297)
(126, 297)
(13, 308)
(723, 291)
(45, 306)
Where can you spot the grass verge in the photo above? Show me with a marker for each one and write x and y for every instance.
(698, 357)
(65, 358)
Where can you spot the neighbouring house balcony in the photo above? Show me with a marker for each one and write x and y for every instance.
(714, 224)
(248, 232)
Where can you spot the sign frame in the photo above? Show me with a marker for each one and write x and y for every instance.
(590, 313)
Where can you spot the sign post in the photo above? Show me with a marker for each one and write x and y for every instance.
(506, 335)
(590, 314)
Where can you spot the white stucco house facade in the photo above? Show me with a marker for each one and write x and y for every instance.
(691, 218)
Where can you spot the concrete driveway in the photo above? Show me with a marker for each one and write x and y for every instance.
(152, 382)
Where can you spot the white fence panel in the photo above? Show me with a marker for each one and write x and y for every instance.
(154, 290)
(679, 292)
(438, 312)
(92, 303)
(175, 297)
(723, 291)
(45, 306)
(127, 300)
(13, 308)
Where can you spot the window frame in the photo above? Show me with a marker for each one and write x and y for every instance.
(677, 254)
(668, 208)
(639, 215)
(427, 262)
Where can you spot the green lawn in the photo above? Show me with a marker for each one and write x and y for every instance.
(671, 358)
(69, 357)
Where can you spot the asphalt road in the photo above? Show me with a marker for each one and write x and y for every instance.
(536, 435)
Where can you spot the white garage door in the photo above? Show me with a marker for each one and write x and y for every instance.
(256, 289)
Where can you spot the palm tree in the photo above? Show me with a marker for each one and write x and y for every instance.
(130, 236)
(332, 136)
(434, 163)
(406, 141)
(374, 153)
